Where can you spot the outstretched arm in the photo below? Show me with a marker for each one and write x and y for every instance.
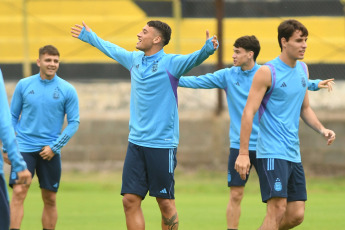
(326, 84)
(84, 33)
(207, 81)
(261, 82)
(183, 63)
(314, 85)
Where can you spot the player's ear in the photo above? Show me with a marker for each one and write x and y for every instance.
(283, 42)
(250, 54)
(38, 62)
(157, 40)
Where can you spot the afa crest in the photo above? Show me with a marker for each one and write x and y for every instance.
(304, 84)
(155, 67)
(56, 94)
(278, 185)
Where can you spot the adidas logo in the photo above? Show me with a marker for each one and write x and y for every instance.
(56, 185)
(163, 191)
(32, 92)
(283, 85)
(237, 84)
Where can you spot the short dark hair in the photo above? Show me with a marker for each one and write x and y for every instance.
(163, 28)
(287, 28)
(48, 49)
(249, 43)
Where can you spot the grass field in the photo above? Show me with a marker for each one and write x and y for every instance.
(89, 201)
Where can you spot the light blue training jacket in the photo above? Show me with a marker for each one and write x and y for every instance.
(154, 118)
(38, 110)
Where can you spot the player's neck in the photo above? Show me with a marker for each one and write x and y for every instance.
(153, 50)
(288, 60)
(248, 66)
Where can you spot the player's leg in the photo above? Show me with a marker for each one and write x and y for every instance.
(236, 184)
(49, 175)
(49, 214)
(274, 214)
(4, 205)
(161, 164)
(233, 211)
(19, 191)
(297, 195)
(293, 216)
(169, 213)
(274, 176)
(133, 212)
(134, 187)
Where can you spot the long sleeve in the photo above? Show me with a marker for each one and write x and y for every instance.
(313, 84)
(113, 51)
(7, 134)
(184, 63)
(16, 105)
(207, 81)
(72, 111)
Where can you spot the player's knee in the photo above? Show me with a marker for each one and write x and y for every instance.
(49, 198)
(19, 193)
(166, 205)
(49, 201)
(297, 218)
(130, 201)
(236, 195)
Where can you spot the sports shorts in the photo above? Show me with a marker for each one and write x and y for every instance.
(149, 169)
(4, 204)
(281, 178)
(48, 172)
(234, 178)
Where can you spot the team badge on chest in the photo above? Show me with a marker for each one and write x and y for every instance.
(154, 67)
(56, 94)
(304, 84)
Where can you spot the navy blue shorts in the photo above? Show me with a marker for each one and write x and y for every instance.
(48, 172)
(281, 178)
(149, 169)
(234, 178)
(4, 205)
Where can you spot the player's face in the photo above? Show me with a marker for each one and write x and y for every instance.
(146, 38)
(296, 46)
(48, 65)
(241, 56)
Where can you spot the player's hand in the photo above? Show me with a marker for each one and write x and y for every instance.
(5, 156)
(326, 84)
(47, 153)
(242, 165)
(24, 177)
(77, 29)
(329, 135)
(214, 40)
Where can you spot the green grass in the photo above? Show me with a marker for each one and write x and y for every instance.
(89, 201)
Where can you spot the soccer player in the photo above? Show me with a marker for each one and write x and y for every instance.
(20, 171)
(39, 105)
(154, 127)
(236, 81)
(279, 92)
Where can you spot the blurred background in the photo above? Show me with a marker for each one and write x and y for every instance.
(104, 86)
